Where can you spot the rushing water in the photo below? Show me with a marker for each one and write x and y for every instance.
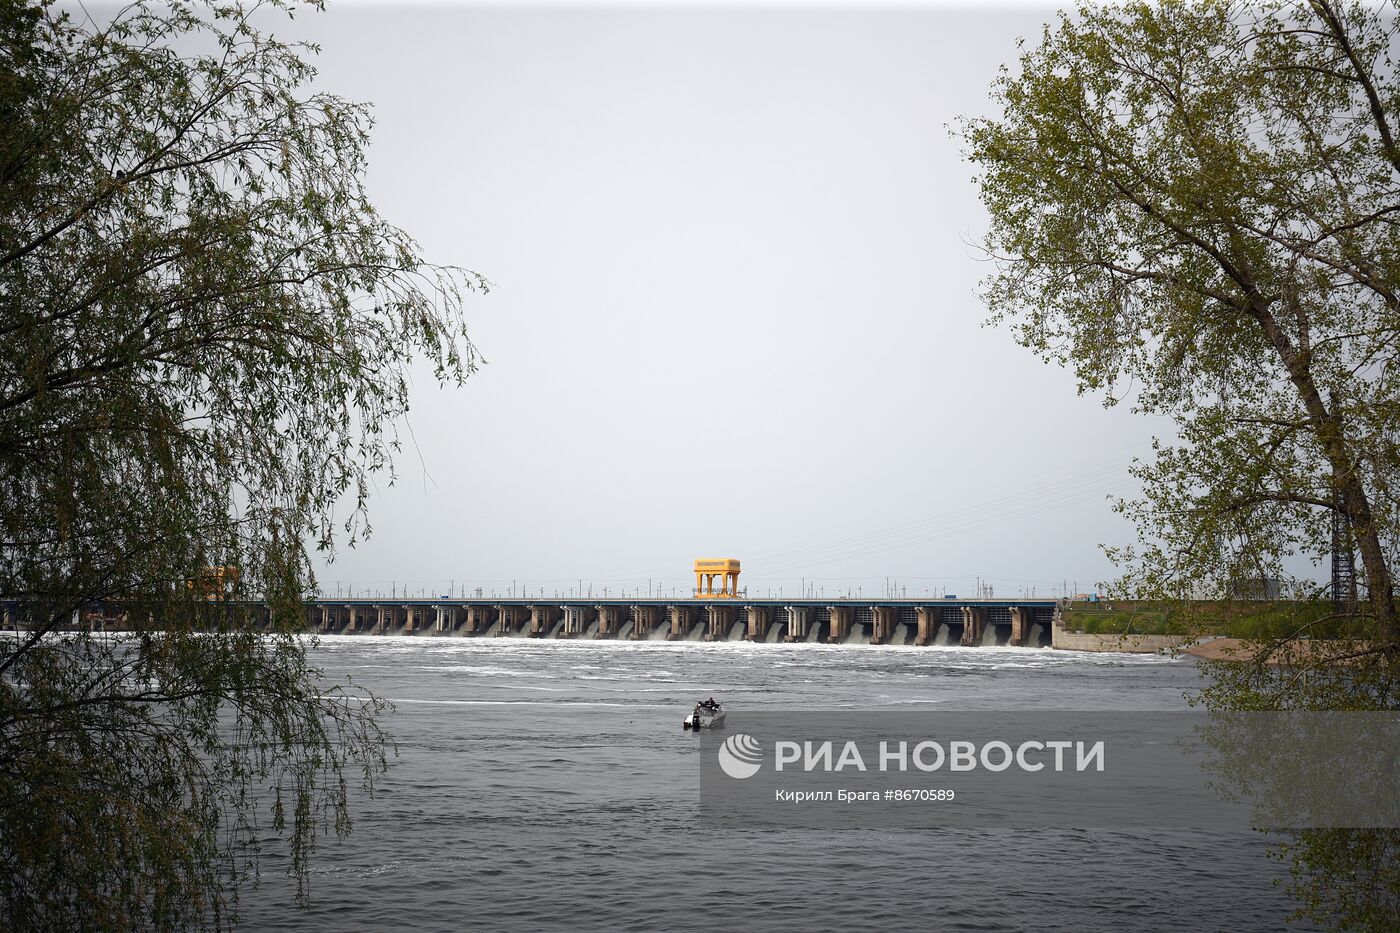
(548, 785)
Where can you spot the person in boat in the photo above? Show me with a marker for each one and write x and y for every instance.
(710, 704)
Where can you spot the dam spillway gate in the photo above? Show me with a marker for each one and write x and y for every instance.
(968, 623)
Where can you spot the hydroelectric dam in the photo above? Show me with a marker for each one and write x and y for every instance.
(927, 621)
(718, 611)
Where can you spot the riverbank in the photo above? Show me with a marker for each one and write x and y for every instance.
(1240, 618)
(1208, 629)
(1288, 653)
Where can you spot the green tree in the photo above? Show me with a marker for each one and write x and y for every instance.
(1196, 206)
(207, 330)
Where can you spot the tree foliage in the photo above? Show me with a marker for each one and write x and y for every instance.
(1195, 205)
(206, 333)
(1198, 204)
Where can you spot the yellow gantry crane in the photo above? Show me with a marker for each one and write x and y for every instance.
(215, 582)
(707, 568)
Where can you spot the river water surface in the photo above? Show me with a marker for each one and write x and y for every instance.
(548, 785)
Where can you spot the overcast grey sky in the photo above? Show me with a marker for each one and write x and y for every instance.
(736, 311)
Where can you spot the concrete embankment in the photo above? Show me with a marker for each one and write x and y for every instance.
(1131, 644)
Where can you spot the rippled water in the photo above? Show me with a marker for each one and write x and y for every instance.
(547, 785)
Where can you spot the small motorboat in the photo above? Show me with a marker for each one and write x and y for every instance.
(706, 715)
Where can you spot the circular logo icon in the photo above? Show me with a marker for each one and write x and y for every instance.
(741, 756)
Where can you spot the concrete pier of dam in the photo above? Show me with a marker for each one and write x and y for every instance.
(914, 622)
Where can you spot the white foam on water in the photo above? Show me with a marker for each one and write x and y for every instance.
(494, 657)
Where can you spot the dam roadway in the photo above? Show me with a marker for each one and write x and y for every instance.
(929, 621)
